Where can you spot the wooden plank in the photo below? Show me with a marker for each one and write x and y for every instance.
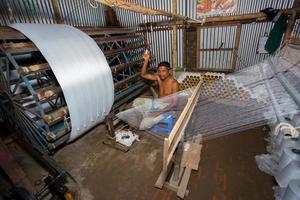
(217, 49)
(190, 48)
(289, 31)
(198, 40)
(179, 127)
(206, 69)
(191, 163)
(139, 9)
(30, 69)
(101, 40)
(21, 47)
(194, 156)
(184, 182)
(240, 18)
(174, 40)
(94, 31)
(8, 33)
(165, 153)
(236, 47)
(56, 10)
(125, 49)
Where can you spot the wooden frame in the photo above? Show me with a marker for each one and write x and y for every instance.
(234, 50)
(171, 143)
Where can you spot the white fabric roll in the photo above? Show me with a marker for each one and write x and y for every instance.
(80, 68)
(293, 191)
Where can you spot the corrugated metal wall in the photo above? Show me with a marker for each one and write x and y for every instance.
(161, 41)
(81, 13)
(74, 12)
(219, 37)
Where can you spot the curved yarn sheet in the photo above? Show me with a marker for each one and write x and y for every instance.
(80, 68)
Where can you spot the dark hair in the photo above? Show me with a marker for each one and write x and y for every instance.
(164, 63)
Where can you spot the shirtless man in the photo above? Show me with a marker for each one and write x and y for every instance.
(167, 86)
(153, 110)
(166, 83)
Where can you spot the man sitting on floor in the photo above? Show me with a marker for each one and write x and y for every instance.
(167, 86)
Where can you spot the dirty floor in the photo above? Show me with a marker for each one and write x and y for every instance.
(227, 170)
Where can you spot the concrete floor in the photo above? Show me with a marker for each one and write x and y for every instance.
(227, 170)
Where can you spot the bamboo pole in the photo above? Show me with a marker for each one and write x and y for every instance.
(57, 14)
(290, 26)
(236, 47)
(198, 32)
(241, 18)
(136, 8)
(174, 43)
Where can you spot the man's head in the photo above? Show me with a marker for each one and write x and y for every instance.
(163, 69)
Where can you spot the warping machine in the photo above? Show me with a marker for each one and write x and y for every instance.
(32, 97)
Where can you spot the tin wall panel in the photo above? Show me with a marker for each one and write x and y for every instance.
(250, 35)
(74, 12)
(81, 13)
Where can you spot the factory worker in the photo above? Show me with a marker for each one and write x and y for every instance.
(153, 109)
(167, 84)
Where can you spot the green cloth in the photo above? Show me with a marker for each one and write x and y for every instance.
(276, 34)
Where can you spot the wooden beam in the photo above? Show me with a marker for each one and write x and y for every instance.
(198, 40)
(56, 10)
(101, 40)
(174, 43)
(111, 17)
(209, 69)
(190, 48)
(241, 18)
(8, 33)
(290, 26)
(139, 9)
(170, 143)
(297, 5)
(125, 49)
(236, 47)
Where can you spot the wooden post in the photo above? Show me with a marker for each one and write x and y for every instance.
(289, 30)
(198, 47)
(174, 43)
(57, 14)
(190, 47)
(236, 47)
(111, 17)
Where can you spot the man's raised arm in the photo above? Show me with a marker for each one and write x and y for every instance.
(144, 74)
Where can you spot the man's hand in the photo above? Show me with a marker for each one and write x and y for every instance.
(146, 55)
(144, 74)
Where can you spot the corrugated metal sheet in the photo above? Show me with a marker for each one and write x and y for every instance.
(247, 54)
(81, 13)
(296, 31)
(188, 8)
(74, 12)
(155, 40)
(215, 38)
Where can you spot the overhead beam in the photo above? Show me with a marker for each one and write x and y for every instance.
(8, 33)
(241, 18)
(139, 9)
